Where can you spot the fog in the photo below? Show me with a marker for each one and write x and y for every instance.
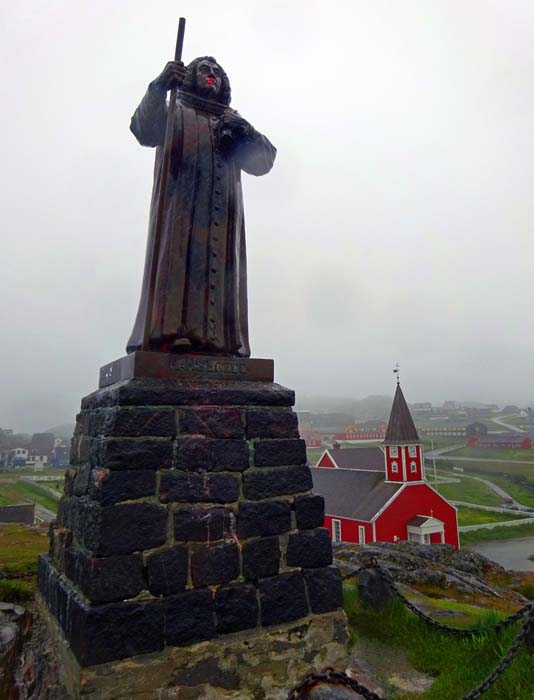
(396, 224)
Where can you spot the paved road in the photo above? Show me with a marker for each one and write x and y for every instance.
(513, 428)
(431, 454)
(44, 514)
(485, 459)
(496, 489)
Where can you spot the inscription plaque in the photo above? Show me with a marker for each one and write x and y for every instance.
(158, 365)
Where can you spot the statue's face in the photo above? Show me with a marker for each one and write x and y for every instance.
(209, 79)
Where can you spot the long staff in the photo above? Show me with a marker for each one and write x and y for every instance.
(162, 191)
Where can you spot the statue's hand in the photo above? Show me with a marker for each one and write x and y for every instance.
(233, 128)
(172, 76)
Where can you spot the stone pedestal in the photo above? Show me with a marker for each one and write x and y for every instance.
(187, 521)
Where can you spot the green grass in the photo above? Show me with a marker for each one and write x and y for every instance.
(487, 453)
(526, 589)
(439, 441)
(32, 492)
(29, 471)
(518, 421)
(18, 491)
(487, 469)
(470, 491)
(523, 495)
(474, 516)
(496, 533)
(19, 547)
(13, 591)
(516, 479)
(313, 454)
(458, 665)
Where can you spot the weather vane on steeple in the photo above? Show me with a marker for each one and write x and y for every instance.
(397, 372)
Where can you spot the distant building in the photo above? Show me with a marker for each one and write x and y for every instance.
(476, 429)
(42, 444)
(16, 457)
(61, 456)
(312, 438)
(381, 494)
(424, 407)
(512, 441)
(477, 411)
(511, 409)
(452, 405)
(444, 431)
(371, 430)
(38, 461)
(19, 456)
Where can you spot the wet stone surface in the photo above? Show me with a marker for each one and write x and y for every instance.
(190, 503)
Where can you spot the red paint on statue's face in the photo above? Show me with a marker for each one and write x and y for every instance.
(208, 79)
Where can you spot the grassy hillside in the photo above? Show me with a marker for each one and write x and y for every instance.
(469, 490)
(487, 453)
(474, 516)
(19, 547)
(14, 490)
(496, 533)
(313, 454)
(456, 665)
(483, 468)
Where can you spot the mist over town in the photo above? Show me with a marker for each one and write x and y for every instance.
(266, 407)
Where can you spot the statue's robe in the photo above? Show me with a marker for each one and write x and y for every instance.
(201, 278)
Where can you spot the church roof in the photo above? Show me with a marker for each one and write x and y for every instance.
(401, 429)
(349, 493)
(365, 458)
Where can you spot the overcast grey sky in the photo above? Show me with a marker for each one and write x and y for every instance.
(397, 223)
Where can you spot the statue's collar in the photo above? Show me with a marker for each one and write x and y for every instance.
(192, 100)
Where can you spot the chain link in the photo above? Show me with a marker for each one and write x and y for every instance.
(457, 631)
(522, 635)
(328, 675)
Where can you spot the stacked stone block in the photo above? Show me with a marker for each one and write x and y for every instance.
(187, 514)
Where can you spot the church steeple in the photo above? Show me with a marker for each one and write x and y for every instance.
(403, 449)
(401, 429)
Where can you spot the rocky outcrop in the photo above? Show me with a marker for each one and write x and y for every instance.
(415, 564)
(14, 630)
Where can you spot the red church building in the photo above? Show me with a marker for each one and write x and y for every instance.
(380, 494)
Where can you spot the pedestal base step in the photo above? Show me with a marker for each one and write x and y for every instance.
(262, 664)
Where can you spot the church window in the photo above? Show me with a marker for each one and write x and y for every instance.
(336, 530)
(394, 467)
(413, 467)
(394, 451)
(412, 450)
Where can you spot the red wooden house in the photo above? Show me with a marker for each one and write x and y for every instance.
(372, 430)
(380, 493)
(312, 438)
(507, 441)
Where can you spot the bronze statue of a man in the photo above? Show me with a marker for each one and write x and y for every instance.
(200, 291)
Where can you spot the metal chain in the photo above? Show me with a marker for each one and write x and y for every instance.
(524, 632)
(328, 675)
(458, 631)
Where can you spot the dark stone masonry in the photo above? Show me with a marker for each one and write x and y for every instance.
(187, 516)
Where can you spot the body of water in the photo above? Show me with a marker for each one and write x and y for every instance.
(512, 554)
